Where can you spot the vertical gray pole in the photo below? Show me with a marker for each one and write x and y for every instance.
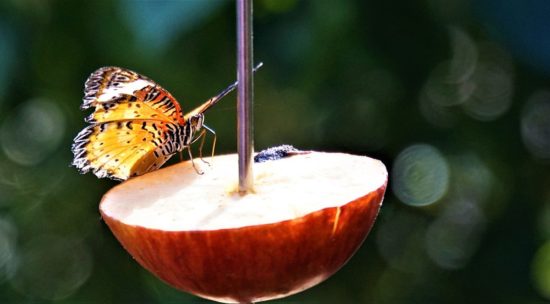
(245, 118)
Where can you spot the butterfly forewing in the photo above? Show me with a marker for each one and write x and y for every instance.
(106, 83)
(118, 94)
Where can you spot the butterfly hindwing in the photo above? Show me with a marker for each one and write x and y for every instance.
(125, 148)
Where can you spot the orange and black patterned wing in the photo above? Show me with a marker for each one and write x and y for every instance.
(134, 128)
(126, 148)
(120, 94)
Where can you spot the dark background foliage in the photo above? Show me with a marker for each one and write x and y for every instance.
(453, 95)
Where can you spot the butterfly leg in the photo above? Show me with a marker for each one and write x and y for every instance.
(193, 162)
(213, 142)
(202, 137)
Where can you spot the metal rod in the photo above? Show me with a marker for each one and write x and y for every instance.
(245, 119)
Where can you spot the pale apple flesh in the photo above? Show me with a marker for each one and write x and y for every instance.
(307, 216)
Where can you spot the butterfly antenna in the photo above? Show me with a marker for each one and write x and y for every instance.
(212, 101)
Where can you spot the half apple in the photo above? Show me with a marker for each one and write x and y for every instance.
(307, 215)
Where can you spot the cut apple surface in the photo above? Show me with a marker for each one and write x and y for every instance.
(305, 218)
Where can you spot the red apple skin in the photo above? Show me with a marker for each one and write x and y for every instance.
(254, 263)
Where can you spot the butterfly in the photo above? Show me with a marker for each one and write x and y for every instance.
(136, 125)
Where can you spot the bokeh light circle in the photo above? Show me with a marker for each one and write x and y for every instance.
(32, 131)
(420, 175)
(493, 92)
(454, 236)
(52, 267)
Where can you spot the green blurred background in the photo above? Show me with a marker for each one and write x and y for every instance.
(453, 95)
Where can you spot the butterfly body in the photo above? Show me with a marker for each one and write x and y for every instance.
(136, 125)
